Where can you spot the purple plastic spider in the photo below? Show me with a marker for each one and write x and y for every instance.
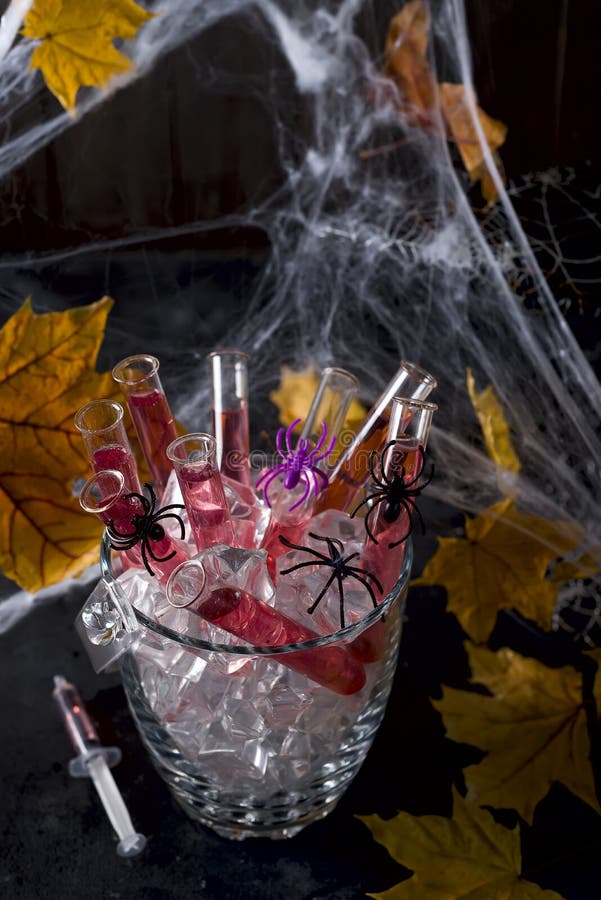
(299, 465)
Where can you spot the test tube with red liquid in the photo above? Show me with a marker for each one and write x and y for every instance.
(254, 621)
(103, 432)
(106, 496)
(149, 409)
(194, 458)
(229, 412)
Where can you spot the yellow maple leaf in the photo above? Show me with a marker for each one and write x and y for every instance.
(46, 372)
(295, 393)
(76, 38)
(469, 855)
(500, 564)
(493, 423)
(533, 727)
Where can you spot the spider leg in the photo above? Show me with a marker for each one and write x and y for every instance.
(171, 506)
(322, 593)
(324, 478)
(289, 431)
(159, 558)
(292, 546)
(320, 440)
(368, 587)
(182, 530)
(411, 508)
(269, 476)
(306, 493)
(366, 500)
(278, 442)
(385, 478)
(329, 540)
(153, 498)
(148, 505)
(340, 581)
(348, 559)
(145, 558)
(372, 510)
(409, 511)
(378, 481)
(301, 565)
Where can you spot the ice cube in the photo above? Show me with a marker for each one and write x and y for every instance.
(249, 513)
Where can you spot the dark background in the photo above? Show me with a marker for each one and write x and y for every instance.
(177, 147)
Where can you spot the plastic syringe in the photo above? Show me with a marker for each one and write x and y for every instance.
(93, 761)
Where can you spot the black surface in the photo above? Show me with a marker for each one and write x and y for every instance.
(56, 841)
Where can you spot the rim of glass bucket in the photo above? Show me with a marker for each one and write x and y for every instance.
(247, 649)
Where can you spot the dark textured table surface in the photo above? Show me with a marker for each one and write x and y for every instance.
(56, 841)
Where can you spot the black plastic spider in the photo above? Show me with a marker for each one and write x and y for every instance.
(396, 493)
(146, 527)
(340, 570)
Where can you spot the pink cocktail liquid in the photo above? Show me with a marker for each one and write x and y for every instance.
(114, 456)
(235, 438)
(155, 428)
(205, 501)
(258, 623)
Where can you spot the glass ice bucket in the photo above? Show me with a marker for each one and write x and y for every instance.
(247, 742)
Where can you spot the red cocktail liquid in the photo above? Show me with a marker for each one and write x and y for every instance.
(205, 501)
(258, 623)
(114, 456)
(235, 451)
(153, 421)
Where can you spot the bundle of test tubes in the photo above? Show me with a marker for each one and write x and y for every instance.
(308, 544)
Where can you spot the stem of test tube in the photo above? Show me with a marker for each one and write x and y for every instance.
(229, 411)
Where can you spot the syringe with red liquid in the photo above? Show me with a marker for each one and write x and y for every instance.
(93, 761)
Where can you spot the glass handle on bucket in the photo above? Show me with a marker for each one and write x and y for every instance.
(107, 625)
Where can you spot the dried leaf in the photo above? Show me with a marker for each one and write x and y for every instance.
(533, 727)
(406, 46)
(77, 37)
(295, 393)
(46, 372)
(494, 425)
(455, 108)
(469, 855)
(423, 98)
(500, 563)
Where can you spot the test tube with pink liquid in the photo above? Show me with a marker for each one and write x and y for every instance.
(194, 458)
(229, 412)
(149, 409)
(100, 423)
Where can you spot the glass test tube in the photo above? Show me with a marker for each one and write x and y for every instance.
(194, 458)
(229, 411)
(103, 432)
(351, 471)
(255, 622)
(139, 379)
(106, 496)
(330, 405)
